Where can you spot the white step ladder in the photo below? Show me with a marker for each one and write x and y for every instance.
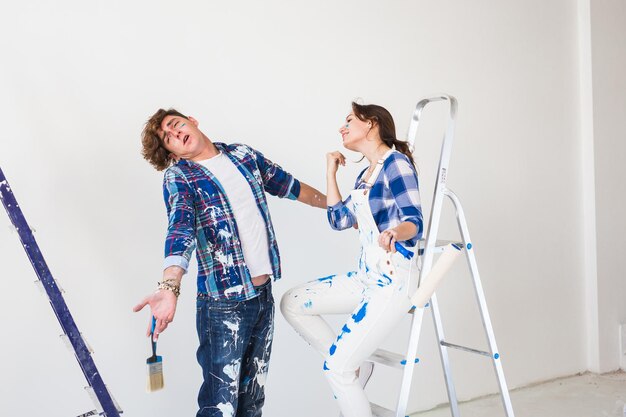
(426, 251)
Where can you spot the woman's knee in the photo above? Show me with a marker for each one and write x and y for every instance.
(289, 303)
(336, 372)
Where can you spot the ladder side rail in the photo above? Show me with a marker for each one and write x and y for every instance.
(409, 366)
(482, 304)
(430, 241)
(412, 131)
(440, 182)
(445, 358)
(56, 298)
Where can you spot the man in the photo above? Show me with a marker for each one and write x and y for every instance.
(216, 204)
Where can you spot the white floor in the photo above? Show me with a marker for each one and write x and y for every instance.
(586, 395)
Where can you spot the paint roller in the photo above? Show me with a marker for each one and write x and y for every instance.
(431, 281)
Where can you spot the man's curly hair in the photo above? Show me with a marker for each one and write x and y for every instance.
(153, 149)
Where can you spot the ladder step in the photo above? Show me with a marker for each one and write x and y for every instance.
(394, 360)
(380, 411)
(467, 349)
(440, 245)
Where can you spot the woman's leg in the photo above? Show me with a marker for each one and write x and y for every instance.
(302, 306)
(377, 314)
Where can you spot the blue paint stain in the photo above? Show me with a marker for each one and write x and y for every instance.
(308, 304)
(345, 329)
(360, 314)
(351, 273)
(333, 348)
(386, 282)
(326, 367)
(403, 362)
(328, 278)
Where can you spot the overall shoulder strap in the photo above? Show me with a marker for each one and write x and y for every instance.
(379, 167)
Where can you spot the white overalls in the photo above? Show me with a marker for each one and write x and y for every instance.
(377, 295)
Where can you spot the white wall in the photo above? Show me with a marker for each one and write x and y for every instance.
(78, 80)
(608, 45)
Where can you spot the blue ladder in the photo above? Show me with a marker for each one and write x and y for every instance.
(106, 406)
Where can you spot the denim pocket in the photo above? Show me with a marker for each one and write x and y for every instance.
(222, 305)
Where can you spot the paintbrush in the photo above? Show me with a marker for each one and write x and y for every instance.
(155, 365)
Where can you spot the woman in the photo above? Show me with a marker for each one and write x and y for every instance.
(385, 207)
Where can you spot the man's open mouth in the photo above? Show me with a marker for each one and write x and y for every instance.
(185, 139)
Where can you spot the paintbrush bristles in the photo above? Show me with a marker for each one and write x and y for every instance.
(155, 374)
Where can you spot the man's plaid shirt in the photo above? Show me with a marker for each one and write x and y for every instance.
(201, 218)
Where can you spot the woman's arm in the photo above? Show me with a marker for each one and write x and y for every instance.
(402, 181)
(333, 160)
(339, 215)
(404, 231)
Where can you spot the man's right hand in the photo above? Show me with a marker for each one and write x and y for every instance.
(163, 307)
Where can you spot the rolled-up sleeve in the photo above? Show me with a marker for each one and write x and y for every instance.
(179, 202)
(340, 215)
(276, 181)
(404, 187)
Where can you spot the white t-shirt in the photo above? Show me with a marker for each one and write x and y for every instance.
(250, 223)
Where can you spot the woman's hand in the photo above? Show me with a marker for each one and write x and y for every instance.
(387, 240)
(333, 160)
(404, 231)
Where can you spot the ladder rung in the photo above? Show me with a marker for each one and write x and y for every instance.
(440, 245)
(394, 360)
(380, 411)
(466, 349)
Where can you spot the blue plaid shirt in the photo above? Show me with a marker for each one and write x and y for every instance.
(394, 198)
(201, 218)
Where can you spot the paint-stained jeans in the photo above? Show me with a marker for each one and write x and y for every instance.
(234, 352)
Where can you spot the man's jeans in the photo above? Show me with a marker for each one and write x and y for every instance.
(234, 352)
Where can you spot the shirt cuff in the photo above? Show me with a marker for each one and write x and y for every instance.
(176, 260)
(294, 189)
(335, 207)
